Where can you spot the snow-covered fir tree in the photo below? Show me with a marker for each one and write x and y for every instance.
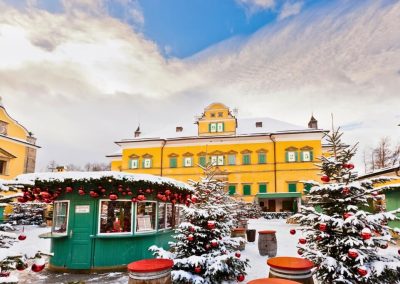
(27, 214)
(204, 251)
(346, 243)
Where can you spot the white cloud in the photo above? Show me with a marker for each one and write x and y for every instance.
(290, 9)
(254, 6)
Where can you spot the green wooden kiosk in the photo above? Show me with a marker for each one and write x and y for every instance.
(106, 220)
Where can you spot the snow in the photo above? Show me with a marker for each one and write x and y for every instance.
(29, 179)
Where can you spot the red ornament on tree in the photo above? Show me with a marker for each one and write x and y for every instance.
(38, 264)
(366, 234)
(384, 246)
(349, 166)
(190, 238)
(292, 231)
(214, 243)
(362, 271)
(113, 196)
(81, 192)
(197, 269)
(352, 253)
(211, 225)
(346, 191)
(141, 197)
(148, 190)
(322, 227)
(194, 199)
(240, 278)
(347, 215)
(191, 229)
(167, 192)
(22, 236)
(318, 238)
(302, 241)
(4, 274)
(68, 189)
(237, 254)
(300, 251)
(134, 200)
(325, 178)
(22, 199)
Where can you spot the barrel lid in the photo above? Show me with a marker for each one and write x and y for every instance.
(150, 265)
(271, 281)
(239, 229)
(290, 263)
(267, 232)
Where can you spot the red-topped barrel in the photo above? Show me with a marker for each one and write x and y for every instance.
(291, 268)
(150, 271)
(267, 244)
(271, 281)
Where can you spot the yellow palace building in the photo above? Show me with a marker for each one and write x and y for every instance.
(261, 159)
(17, 147)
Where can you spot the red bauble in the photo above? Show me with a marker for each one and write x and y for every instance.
(194, 199)
(208, 246)
(103, 190)
(211, 225)
(347, 215)
(349, 166)
(366, 234)
(191, 229)
(129, 193)
(148, 190)
(21, 266)
(190, 238)
(240, 278)
(322, 227)
(134, 200)
(384, 246)
(120, 189)
(346, 191)
(325, 178)
(22, 199)
(37, 268)
(300, 251)
(81, 192)
(141, 197)
(318, 238)
(352, 253)
(292, 231)
(398, 251)
(362, 270)
(214, 243)
(302, 241)
(68, 189)
(197, 269)
(113, 196)
(167, 192)
(45, 194)
(237, 254)
(4, 274)
(22, 237)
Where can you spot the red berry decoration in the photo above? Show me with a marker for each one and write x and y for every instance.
(325, 178)
(292, 231)
(240, 278)
(190, 238)
(238, 254)
(366, 234)
(322, 227)
(362, 271)
(113, 196)
(302, 241)
(197, 269)
(352, 253)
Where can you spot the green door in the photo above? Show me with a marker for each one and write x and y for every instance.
(81, 227)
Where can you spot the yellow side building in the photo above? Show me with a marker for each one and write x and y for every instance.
(17, 147)
(261, 159)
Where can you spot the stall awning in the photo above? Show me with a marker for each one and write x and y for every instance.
(278, 195)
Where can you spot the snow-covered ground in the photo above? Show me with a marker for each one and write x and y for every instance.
(259, 268)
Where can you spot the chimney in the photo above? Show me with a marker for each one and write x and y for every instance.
(137, 132)
(259, 124)
(313, 123)
(179, 129)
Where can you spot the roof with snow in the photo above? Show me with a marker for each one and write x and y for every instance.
(387, 170)
(30, 179)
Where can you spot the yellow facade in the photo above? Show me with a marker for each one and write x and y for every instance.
(17, 147)
(255, 164)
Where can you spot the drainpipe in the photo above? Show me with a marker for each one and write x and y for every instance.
(162, 156)
(273, 141)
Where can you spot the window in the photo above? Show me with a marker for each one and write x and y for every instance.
(217, 160)
(202, 161)
(145, 216)
(133, 163)
(306, 156)
(173, 162)
(147, 163)
(60, 217)
(246, 189)
(212, 127)
(220, 114)
(246, 159)
(262, 158)
(232, 189)
(164, 216)
(291, 156)
(212, 114)
(115, 217)
(187, 161)
(220, 127)
(232, 159)
(262, 188)
(3, 167)
(178, 215)
(292, 187)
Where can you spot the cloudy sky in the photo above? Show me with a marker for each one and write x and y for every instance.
(81, 74)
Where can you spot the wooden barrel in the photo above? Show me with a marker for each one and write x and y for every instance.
(150, 271)
(291, 268)
(243, 223)
(271, 281)
(267, 244)
(240, 232)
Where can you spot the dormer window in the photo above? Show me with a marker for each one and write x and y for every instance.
(3, 127)
(212, 114)
(259, 124)
(179, 129)
(220, 114)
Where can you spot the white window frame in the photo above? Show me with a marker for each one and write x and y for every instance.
(133, 165)
(99, 219)
(144, 163)
(165, 204)
(220, 160)
(155, 221)
(220, 127)
(214, 160)
(292, 158)
(185, 162)
(303, 156)
(213, 127)
(54, 217)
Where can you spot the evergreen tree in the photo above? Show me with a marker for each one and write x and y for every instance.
(27, 214)
(204, 251)
(346, 243)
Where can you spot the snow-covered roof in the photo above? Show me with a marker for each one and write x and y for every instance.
(391, 169)
(29, 179)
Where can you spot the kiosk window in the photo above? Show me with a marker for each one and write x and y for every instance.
(164, 215)
(60, 215)
(145, 216)
(115, 217)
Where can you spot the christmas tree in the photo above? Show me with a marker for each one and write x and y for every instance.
(204, 251)
(27, 214)
(346, 243)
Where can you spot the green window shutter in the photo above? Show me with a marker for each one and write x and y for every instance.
(262, 188)
(311, 156)
(143, 163)
(301, 156)
(292, 187)
(261, 158)
(172, 162)
(287, 156)
(246, 189)
(232, 189)
(202, 161)
(296, 155)
(231, 159)
(246, 159)
(209, 127)
(223, 127)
